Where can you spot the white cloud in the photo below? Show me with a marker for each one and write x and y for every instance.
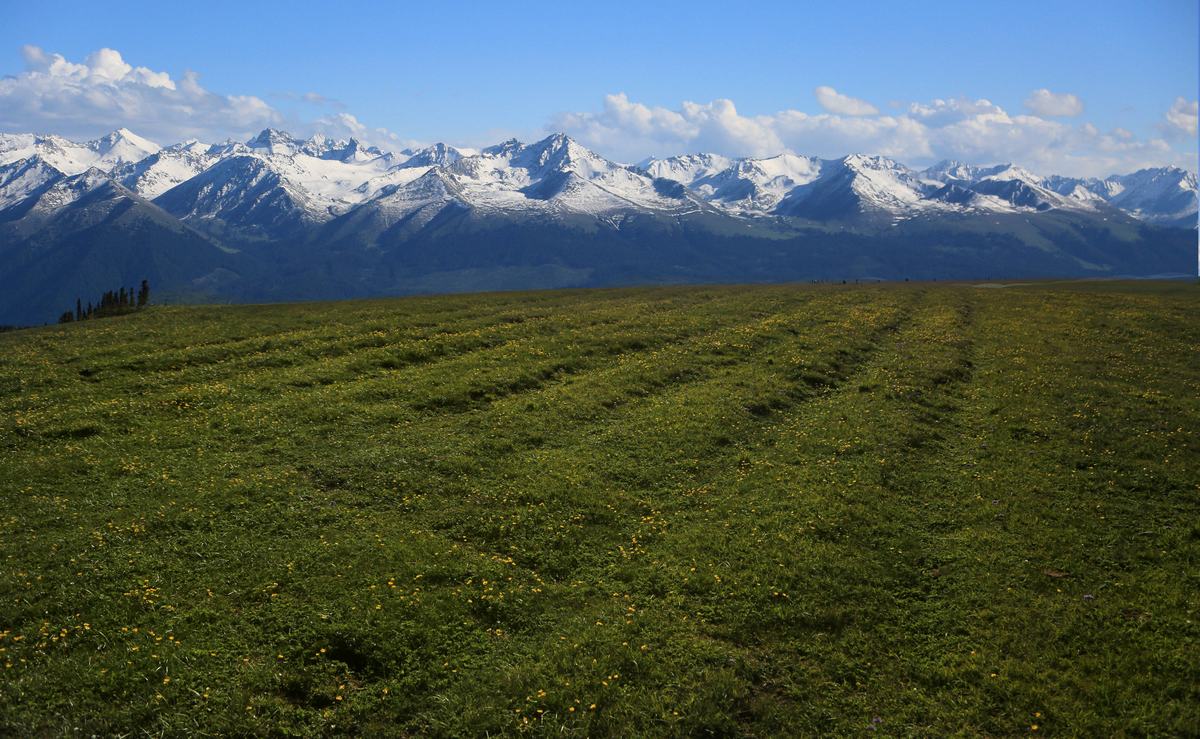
(627, 127)
(317, 98)
(976, 131)
(1183, 114)
(105, 92)
(835, 102)
(345, 125)
(940, 112)
(1054, 104)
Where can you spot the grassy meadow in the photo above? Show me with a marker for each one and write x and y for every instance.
(878, 510)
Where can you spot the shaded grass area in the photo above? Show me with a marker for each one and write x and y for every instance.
(902, 509)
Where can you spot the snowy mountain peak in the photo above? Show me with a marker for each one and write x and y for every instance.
(90, 178)
(123, 137)
(879, 184)
(503, 149)
(874, 163)
(786, 167)
(275, 141)
(553, 146)
(122, 146)
(438, 155)
(319, 145)
(686, 168)
(1012, 172)
(560, 153)
(342, 150)
(553, 142)
(951, 170)
(269, 135)
(191, 146)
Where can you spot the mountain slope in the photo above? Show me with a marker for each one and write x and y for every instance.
(758, 185)
(858, 187)
(1166, 196)
(242, 198)
(86, 234)
(159, 172)
(24, 178)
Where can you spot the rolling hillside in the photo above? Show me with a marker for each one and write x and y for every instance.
(780, 510)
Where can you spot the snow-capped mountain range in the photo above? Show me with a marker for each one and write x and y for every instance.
(281, 218)
(275, 178)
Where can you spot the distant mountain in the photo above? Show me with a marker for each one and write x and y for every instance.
(1164, 195)
(166, 168)
(279, 218)
(438, 155)
(688, 168)
(119, 147)
(858, 186)
(756, 185)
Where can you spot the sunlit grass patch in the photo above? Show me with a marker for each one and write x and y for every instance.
(896, 509)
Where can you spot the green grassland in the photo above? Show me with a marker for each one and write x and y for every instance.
(784, 510)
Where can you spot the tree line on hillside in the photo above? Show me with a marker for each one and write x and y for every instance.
(112, 303)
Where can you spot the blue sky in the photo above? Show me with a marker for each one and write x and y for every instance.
(469, 74)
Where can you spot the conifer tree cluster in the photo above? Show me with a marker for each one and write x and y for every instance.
(111, 303)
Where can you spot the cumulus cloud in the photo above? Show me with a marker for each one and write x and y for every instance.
(835, 102)
(972, 130)
(625, 126)
(1182, 115)
(1054, 104)
(104, 92)
(940, 112)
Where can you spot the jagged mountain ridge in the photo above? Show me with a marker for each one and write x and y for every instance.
(328, 177)
(277, 217)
